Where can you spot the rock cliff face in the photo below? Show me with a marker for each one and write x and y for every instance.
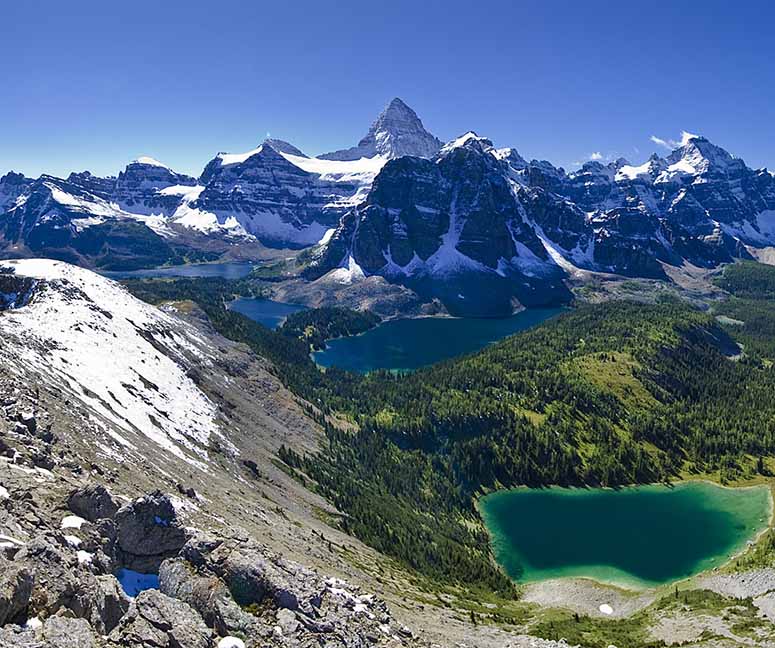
(271, 198)
(397, 131)
(477, 210)
(451, 227)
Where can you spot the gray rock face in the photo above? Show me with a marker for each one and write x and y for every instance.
(64, 632)
(397, 131)
(138, 189)
(155, 620)
(12, 186)
(58, 582)
(16, 583)
(272, 199)
(147, 532)
(110, 603)
(92, 502)
(451, 227)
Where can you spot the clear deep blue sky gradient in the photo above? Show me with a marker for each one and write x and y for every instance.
(93, 84)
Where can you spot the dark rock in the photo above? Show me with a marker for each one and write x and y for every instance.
(110, 603)
(16, 582)
(147, 532)
(92, 502)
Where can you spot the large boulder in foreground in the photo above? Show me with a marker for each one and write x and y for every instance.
(92, 502)
(155, 620)
(147, 532)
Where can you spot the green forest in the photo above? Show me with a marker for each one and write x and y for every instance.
(317, 325)
(607, 394)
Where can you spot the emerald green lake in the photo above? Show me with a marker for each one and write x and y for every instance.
(405, 344)
(641, 536)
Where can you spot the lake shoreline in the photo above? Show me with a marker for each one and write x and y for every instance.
(562, 591)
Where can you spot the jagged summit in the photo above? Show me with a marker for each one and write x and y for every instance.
(281, 146)
(698, 155)
(397, 131)
(468, 140)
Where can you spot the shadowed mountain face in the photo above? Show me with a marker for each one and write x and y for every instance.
(451, 228)
(477, 211)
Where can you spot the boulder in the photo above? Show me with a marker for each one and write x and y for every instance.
(110, 603)
(147, 532)
(92, 502)
(155, 620)
(64, 632)
(207, 594)
(59, 582)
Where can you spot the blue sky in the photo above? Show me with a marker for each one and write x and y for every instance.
(91, 84)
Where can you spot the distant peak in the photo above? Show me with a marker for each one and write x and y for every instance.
(397, 104)
(397, 131)
(467, 140)
(149, 161)
(687, 137)
(281, 146)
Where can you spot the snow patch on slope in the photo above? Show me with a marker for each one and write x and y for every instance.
(124, 359)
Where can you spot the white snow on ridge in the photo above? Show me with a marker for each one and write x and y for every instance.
(363, 170)
(349, 272)
(121, 357)
(185, 191)
(144, 159)
(629, 172)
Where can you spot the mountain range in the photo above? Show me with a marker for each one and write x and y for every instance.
(445, 220)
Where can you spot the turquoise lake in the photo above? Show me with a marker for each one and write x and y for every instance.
(641, 536)
(405, 344)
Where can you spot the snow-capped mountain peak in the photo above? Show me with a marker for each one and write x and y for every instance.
(468, 140)
(281, 146)
(397, 131)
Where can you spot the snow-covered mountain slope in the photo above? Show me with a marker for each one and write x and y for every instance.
(277, 194)
(125, 361)
(397, 131)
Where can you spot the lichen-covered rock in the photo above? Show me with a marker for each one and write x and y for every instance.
(207, 594)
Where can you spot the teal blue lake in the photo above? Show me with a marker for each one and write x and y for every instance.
(264, 311)
(405, 344)
(641, 536)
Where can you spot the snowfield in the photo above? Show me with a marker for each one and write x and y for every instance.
(123, 358)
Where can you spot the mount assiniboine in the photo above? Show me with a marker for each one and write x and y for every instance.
(437, 219)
